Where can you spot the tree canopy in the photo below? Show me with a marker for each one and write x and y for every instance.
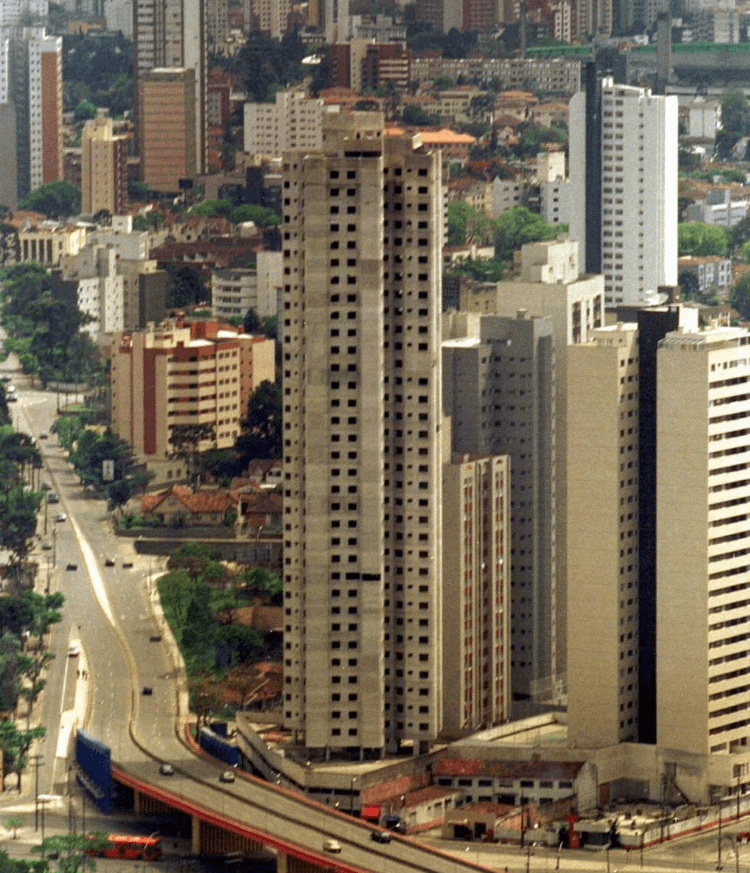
(44, 323)
(698, 239)
(54, 199)
(735, 122)
(516, 227)
(261, 434)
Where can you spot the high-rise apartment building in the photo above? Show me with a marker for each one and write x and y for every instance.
(623, 187)
(549, 282)
(104, 168)
(703, 571)
(499, 391)
(363, 440)
(30, 111)
(172, 33)
(166, 125)
(476, 582)
(603, 543)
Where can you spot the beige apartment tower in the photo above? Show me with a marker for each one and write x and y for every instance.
(603, 466)
(363, 454)
(703, 568)
(104, 168)
(548, 282)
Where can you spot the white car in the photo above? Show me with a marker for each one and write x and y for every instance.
(331, 845)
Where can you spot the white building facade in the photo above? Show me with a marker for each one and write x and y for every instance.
(634, 187)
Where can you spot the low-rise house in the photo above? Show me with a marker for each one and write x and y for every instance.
(180, 506)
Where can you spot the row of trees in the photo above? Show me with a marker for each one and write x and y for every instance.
(25, 615)
(89, 449)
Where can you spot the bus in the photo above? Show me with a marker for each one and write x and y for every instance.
(127, 846)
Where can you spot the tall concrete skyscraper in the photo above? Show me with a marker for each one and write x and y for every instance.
(30, 111)
(623, 187)
(703, 569)
(173, 33)
(603, 546)
(363, 440)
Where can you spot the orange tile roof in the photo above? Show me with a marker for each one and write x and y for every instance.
(447, 136)
(197, 502)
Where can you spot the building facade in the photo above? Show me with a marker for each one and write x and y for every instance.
(294, 121)
(363, 447)
(166, 124)
(104, 168)
(499, 390)
(623, 187)
(198, 373)
(31, 106)
(171, 33)
(476, 580)
(702, 566)
(603, 519)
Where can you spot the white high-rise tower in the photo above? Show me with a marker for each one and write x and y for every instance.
(623, 187)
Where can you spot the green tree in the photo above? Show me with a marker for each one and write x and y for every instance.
(186, 286)
(85, 110)
(735, 122)
(698, 239)
(213, 207)
(261, 430)
(479, 269)
(688, 282)
(516, 227)
(186, 441)
(260, 215)
(467, 225)
(739, 296)
(54, 199)
(15, 745)
(21, 865)
(71, 850)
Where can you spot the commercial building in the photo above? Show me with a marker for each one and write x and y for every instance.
(104, 168)
(166, 125)
(173, 34)
(196, 373)
(623, 187)
(363, 441)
